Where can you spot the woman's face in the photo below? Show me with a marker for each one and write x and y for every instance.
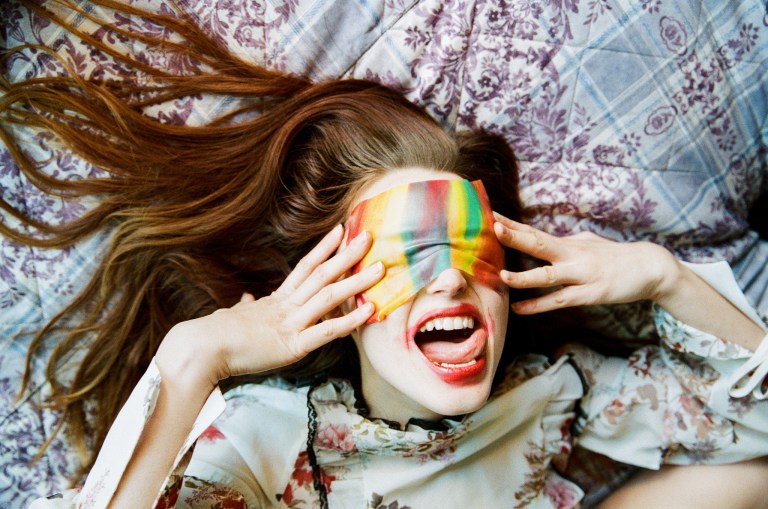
(435, 355)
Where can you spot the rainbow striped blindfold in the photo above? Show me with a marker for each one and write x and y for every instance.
(421, 229)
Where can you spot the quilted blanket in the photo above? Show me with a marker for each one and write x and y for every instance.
(635, 119)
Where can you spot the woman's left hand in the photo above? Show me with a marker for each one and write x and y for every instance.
(585, 269)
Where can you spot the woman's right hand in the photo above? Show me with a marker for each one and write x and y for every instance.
(259, 335)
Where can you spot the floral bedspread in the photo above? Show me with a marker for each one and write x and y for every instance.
(643, 119)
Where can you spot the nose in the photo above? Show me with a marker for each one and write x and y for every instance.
(449, 282)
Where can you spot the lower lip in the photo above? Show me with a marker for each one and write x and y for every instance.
(459, 374)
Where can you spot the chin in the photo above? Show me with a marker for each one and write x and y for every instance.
(452, 404)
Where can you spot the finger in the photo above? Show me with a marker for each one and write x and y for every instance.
(334, 294)
(532, 242)
(332, 269)
(565, 297)
(512, 224)
(321, 252)
(247, 297)
(546, 276)
(316, 336)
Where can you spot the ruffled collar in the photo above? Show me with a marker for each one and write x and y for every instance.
(343, 426)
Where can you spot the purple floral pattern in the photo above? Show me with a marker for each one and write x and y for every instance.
(668, 157)
(673, 34)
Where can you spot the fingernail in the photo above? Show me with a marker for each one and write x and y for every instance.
(376, 267)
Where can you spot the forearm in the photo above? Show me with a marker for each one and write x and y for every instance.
(182, 395)
(691, 300)
(740, 485)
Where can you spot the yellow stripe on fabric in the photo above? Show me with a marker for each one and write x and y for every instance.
(459, 215)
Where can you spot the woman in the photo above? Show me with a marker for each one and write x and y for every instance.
(208, 212)
(408, 374)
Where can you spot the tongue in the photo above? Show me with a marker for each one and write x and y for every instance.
(446, 346)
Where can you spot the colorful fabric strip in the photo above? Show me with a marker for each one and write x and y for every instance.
(421, 229)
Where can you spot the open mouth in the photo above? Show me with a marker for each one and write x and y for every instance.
(453, 343)
(445, 340)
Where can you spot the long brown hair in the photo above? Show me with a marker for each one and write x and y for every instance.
(202, 214)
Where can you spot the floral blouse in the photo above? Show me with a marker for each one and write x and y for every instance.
(694, 398)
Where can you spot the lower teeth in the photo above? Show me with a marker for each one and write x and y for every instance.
(449, 365)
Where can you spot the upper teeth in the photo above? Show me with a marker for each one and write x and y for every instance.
(449, 323)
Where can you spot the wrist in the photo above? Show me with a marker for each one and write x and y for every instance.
(670, 278)
(184, 359)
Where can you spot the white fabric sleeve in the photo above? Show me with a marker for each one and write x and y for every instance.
(693, 399)
(750, 376)
(121, 441)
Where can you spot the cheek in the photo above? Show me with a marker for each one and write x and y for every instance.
(376, 337)
(502, 312)
(392, 328)
(497, 314)
(491, 322)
